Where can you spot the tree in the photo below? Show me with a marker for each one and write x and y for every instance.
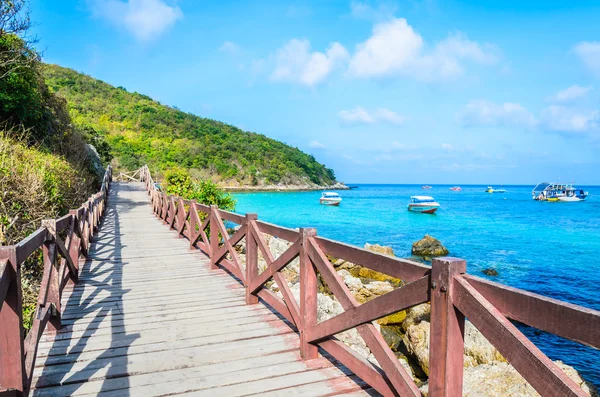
(15, 23)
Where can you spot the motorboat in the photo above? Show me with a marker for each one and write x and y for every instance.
(558, 192)
(330, 198)
(423, 204)
(456, 188)
(492, 190)
(426, 187)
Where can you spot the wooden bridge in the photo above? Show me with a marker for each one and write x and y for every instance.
(138, 305)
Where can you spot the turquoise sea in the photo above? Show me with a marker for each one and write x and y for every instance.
(548, 248)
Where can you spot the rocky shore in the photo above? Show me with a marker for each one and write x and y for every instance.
(284, 188)
(486, 372)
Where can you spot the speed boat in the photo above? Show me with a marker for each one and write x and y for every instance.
(456, 188)
(423, 204)
(330, 198)
(492, 190)
(426, 187)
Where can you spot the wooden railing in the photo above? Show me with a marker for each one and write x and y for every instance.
(61, 266)
(453, 295)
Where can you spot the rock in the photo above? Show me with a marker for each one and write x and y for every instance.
(94, 160)
(393, 319)
(380, 249)
(429, 247)
(490, 272)
(416, 340)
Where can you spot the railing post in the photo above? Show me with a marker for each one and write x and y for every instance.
(251, 259)
(214, 235)
(308, 295)
(52, 287)
(12, 365)
(75, 242)
(447, 331)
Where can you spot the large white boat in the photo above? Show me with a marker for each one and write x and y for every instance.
(330, 198)
(558, 192)
(423, 204)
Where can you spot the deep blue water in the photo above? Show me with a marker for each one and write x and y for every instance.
(548, 248)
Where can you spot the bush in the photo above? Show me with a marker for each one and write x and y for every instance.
(179, 183)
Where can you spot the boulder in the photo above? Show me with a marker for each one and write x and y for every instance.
(95, 162)
(429, 247)
(416, 340)
(381, 249)
(490, 272)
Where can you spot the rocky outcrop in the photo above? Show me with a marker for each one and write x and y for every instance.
(429, 247)
(94, 160)
(490, 272)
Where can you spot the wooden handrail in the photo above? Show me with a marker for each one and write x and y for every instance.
(452, 293)
(18, 353)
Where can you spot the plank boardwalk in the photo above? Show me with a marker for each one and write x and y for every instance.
(149, 318)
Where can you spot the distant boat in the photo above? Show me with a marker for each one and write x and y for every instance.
(492, 190)
(456, 188)
(558, 192)
(330, 198)
(423, 204)
(426, 187)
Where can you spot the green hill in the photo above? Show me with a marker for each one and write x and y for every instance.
(136, 130)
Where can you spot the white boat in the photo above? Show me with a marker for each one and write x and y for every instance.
(423, 204)
(330, 198)
(558, 192)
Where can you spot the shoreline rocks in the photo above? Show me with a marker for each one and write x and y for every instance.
(429, 247)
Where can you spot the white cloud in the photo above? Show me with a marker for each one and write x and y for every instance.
(485, 113)
(589, 52)
(230, 47)
(389, 116)
(570, 94)
(396, 49)
(360, 115)
(356, 116)
(316, 145)
(295, 63)
(145, 19)
(560, 118)
(447, 146)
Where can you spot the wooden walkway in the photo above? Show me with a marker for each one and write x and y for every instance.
(148, 318)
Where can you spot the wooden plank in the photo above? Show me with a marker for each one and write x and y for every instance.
(251, 261)
(290, 235)
(400, 268)
(402, 298)
(63, 222)
(541, 373)
(546, 314)
(150, 362)
(232, 217)
(136, 381)
(30, 243)
(358, 364)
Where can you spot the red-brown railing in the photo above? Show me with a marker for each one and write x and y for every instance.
(61, 266)
(453, 294)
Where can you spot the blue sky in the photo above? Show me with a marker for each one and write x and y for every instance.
(380, 91)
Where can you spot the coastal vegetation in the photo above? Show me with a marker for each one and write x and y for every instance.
(133, 130)
(44, 165)
(180, 183)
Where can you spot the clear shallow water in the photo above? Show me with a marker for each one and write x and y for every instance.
(548, 248)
